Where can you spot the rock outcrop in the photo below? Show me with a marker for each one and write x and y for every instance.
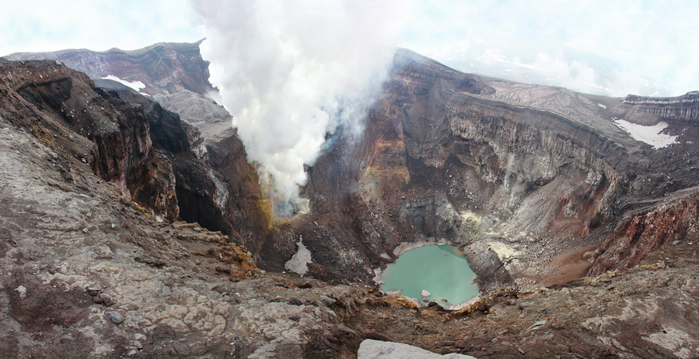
(241, 204)
(79, 121)
(682, 109)
(675, 222)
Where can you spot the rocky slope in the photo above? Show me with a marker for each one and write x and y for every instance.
(88, 274)
(538, 186)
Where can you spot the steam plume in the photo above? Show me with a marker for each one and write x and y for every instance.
(292, 71)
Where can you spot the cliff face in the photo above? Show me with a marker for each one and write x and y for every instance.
(241, 203)
(215, 187)
(63, 108)
(527, 179)
(681, 110)
(126, 138)
(163, 68)
(674, 223)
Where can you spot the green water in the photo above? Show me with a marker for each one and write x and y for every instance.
(438, 269)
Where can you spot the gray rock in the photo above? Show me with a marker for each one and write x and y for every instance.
(375, 349)
(327, 301)
(93, 290)
(295, 301)
(115, 317)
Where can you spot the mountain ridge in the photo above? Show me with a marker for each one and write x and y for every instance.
(163, 68)
(555, 215)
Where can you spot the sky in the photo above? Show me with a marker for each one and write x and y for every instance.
(605, 47)
(291, 72)
(49, 25)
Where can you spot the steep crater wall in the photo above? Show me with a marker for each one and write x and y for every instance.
(519, 188)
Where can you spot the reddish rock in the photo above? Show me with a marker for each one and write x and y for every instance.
(638, 236)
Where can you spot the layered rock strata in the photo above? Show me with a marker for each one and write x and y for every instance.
(681, 109)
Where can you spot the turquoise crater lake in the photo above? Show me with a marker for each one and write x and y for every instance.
(440, 270)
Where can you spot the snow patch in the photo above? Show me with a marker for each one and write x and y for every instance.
(602, 106)
(136, 85)
(648, 134)
(299, 262)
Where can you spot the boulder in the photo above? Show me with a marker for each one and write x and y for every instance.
(376, 349)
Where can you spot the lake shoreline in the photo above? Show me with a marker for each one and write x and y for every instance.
(404, 247)
(443, 272)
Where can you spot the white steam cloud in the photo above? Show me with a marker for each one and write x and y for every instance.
(286, 68)
(292, 71)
